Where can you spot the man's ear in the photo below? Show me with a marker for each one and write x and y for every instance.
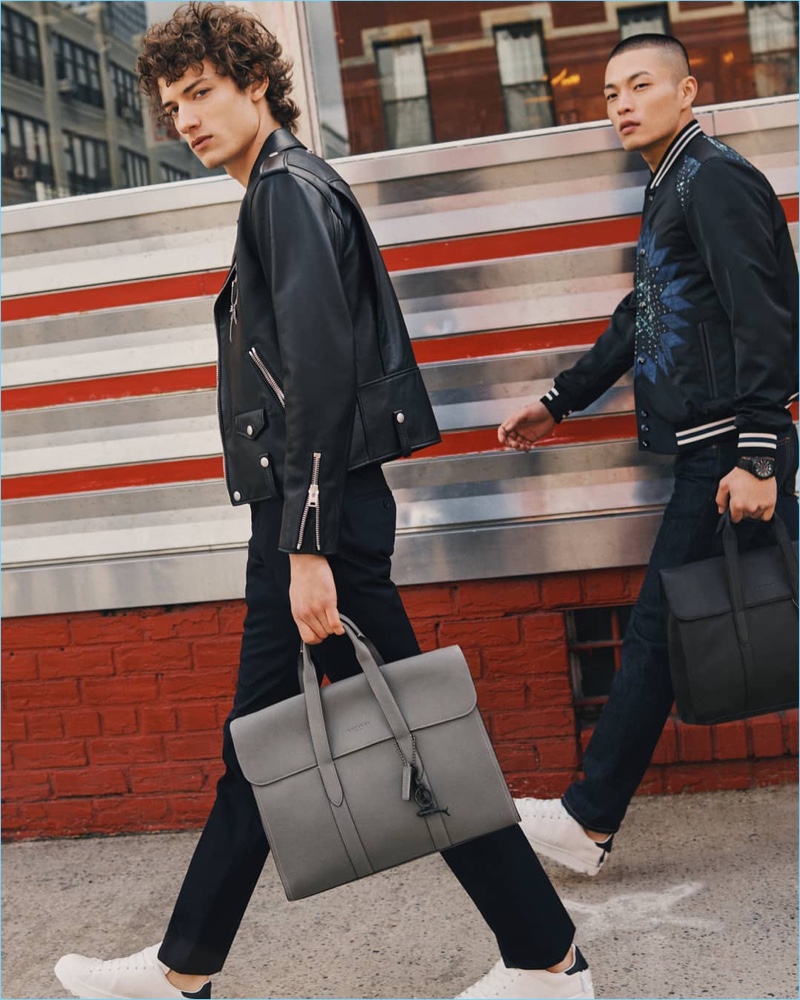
(689, 86)
(259, 88)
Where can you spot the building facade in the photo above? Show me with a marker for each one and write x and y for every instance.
(417, 73)
(73, 121)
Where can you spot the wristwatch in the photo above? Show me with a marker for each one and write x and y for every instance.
(758, 465)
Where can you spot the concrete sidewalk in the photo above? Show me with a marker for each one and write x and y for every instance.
(699, 899)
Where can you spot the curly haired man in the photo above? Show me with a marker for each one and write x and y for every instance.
(306, 316)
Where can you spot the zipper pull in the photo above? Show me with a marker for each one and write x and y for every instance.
(313, 495)
(234, 312)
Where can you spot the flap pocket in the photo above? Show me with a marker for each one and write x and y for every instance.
(250, 424)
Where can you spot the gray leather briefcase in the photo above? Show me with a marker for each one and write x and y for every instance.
(372, 771)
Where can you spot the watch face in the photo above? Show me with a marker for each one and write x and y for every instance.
(762, 468)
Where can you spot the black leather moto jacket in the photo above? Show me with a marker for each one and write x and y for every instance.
(316, 374)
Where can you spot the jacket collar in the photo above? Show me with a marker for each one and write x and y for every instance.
(275, 143)
(673, 152)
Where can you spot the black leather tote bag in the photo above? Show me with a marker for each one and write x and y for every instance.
(732, 629)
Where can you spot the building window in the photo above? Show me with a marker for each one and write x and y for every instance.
(22, 55)
(523, 76)
(78, 71)
(650, 20)
(404, 92)
(595, 646)
(127, 102)
(135, 169)
(171, 174)
(26, 149)
(773, 43)
(87, 164)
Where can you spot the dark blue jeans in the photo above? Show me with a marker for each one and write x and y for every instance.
(626, 734)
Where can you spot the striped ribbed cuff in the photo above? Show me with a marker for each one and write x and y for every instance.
(757, 443)
(555, 404)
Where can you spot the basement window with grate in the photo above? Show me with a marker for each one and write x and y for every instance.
(595, 646)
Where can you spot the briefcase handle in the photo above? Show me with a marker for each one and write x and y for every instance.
(730, 548)
(316, 719)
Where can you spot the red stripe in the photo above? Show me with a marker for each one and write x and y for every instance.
(89, 390)
(529, 338)
(575, 431)
(131, 293)
(115, 477)
(187, 470)
(472, 345)
(520, 243)
(493, 246)
(578, 430)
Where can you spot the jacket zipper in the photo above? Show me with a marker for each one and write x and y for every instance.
(234, 306)
(267, 375)
(312, 502)
(707, 357)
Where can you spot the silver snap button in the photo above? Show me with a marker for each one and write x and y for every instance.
(401, 418)
(249, 430)
(237, 495)
(264, 462)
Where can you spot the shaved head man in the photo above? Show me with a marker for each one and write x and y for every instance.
(710, 331)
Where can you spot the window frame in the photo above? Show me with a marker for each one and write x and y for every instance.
(133, 165)
(17, 156)
(127, 99)
(25, 65)
(394, 102)
(79, 66)
(544, 80)
(588, 707)
(626, 14)
(80, 181)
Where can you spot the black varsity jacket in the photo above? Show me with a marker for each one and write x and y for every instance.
(710, 327)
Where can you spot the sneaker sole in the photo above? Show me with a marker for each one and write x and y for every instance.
(565, 858)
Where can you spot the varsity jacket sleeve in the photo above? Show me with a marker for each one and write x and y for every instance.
(730, 217)
(298, 237)
(600, 367)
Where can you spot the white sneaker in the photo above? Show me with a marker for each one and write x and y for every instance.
(523, 984)
(137, 977)
(555, 834)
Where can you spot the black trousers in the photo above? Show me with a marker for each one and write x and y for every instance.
(499, 871)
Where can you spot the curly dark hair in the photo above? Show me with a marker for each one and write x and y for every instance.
(234, 40)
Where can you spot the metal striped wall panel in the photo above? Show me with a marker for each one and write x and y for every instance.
(508, 254)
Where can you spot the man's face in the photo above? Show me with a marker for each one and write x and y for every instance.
(218, 121)
(645, 98)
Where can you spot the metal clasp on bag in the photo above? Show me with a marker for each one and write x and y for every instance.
(423, 796)
(413, 784)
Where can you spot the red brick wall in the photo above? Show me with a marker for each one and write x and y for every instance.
(111, 721)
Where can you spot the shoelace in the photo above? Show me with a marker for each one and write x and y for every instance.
(131, 963)
(503, 977)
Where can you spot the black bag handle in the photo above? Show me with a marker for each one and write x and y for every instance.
(730, 548)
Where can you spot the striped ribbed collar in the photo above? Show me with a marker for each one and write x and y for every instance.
(674, 150)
